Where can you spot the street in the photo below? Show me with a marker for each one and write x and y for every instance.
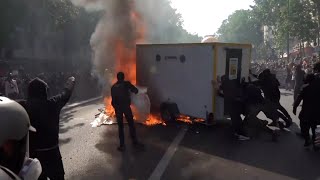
(180, 151)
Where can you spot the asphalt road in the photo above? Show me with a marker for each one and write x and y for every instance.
(179, 151)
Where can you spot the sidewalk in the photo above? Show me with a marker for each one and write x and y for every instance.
(73, 105)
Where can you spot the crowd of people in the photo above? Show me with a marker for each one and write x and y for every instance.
(14, 86)
(41, 158)
(263, 95)
(35, 154)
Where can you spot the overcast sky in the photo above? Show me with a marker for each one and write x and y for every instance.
(205, 16)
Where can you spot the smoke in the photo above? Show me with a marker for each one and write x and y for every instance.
(115, 26)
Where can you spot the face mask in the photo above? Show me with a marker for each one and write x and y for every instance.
(31, 169)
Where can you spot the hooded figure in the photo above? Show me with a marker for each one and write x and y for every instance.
(44, 115)
(269, 84)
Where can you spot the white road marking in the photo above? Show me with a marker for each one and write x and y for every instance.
(164, 162)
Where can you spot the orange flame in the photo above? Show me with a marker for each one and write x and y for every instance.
(154, 120)
(109, 110)
(184, 118)
(189, 120)
(151, 121)
(125, 57)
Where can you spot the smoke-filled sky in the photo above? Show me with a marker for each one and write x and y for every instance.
(205, 16)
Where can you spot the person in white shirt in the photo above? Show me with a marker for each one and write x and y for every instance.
(11, 88)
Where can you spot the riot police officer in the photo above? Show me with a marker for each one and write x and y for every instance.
(14, 135)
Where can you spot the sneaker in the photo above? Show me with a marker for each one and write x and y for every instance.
(242, 137)
(121, 148)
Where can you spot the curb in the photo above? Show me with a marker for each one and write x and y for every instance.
(74, 105)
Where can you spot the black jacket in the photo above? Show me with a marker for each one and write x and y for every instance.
(120, 93)
(44, 114)
(253, 95)
(270, 87)
(310, 96)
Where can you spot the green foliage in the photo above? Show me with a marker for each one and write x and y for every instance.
(241, 27)
(295, 18)
(299, 18)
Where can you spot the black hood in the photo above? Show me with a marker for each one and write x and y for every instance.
(37, 89)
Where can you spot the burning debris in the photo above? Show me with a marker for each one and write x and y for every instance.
(114, 49)
(189, 120)
(140, 108)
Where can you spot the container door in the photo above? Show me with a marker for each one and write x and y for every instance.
(233, 73)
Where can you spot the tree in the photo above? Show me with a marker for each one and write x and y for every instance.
(296, 19)
(62, 12)
(241, 27)
(11, 13)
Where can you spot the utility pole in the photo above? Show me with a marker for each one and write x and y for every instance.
(288, 33)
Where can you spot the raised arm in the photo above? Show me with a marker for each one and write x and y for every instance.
(61, 99)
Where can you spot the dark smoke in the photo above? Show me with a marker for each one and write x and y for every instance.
(115, 25)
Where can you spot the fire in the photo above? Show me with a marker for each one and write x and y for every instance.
(125, 57)
(154, 120)
(125, 52)
(109, 110)
(184, 118)
(151, 121)
(125, 60)
(189, 120)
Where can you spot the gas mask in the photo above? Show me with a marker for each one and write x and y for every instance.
(31, 169)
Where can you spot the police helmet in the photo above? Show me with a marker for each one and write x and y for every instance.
(14, 121)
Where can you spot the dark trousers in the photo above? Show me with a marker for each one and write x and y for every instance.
(281, 111)
(252, 112)
(51, 162)
(125, 110)
(235, 112)
(305, 126)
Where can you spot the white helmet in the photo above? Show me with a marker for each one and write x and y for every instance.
(14, 121)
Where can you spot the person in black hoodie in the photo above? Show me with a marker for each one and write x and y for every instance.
(121, 101)
(44, 115)
(309, 115)
(255, 103)
(299, 76)
(306, 110)
(269, 85)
